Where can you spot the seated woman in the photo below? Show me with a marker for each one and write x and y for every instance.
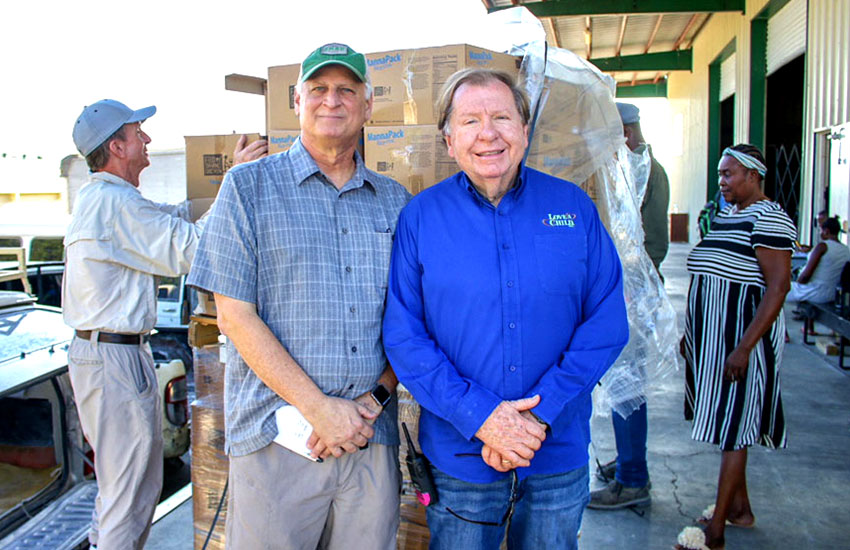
(819, 278)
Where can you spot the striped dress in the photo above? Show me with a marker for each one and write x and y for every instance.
(726, 288)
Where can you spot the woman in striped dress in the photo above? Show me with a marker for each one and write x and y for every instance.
(734, 333)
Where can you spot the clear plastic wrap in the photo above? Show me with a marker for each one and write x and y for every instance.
(578, 136)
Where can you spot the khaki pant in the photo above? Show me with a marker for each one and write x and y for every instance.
(117, 396)
(283, 501)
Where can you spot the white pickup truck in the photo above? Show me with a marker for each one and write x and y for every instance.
(45, 469)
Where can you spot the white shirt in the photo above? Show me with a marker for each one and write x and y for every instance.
(115, 246)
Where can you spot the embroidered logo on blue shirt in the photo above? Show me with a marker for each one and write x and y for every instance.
(560, 220)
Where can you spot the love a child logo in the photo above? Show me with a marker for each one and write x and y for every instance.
(559, 220)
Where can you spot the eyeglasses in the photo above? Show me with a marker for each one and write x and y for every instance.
(508, 513)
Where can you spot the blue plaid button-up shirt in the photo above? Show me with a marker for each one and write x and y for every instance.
(314, 260)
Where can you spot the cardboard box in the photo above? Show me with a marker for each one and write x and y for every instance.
(200, 207)
(414, 156)
(282, 140)
(407, 82)
(281, 98)
(206, 304)
(208, 158)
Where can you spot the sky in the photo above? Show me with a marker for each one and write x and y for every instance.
(59, 56)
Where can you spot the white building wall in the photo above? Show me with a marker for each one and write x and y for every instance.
(163, 181)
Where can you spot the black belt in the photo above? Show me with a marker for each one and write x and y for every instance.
(112, 338)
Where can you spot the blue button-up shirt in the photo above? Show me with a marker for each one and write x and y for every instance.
(488, 303)
(314, 260)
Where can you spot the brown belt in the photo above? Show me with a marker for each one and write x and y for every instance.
(112, 338)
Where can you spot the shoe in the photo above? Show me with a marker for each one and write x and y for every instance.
(605, 472)
(614, 496)
(708, 514)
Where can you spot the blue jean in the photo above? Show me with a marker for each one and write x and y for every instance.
(630, 434)
(546, 514)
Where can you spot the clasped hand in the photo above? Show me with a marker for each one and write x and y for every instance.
(341, 425)
(511, 435)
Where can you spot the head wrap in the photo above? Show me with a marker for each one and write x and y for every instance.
(748, 161)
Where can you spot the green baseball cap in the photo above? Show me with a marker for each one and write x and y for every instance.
(334, 54)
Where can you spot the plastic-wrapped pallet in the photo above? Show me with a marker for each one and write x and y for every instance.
(209, 461)
(413, 528)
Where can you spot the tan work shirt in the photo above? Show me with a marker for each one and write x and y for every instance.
(115, 246)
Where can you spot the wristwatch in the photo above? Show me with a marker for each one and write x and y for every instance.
(381, 395)
(540, 421)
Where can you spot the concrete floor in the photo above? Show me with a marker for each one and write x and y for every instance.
(800, 495)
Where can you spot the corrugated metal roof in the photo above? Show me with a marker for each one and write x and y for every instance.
(643, 33)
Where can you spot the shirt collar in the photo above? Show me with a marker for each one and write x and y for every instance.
(513, 193)
(109, 177)
(304, 167)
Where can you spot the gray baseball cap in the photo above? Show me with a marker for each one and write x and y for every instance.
(629, 113)
(102, 119)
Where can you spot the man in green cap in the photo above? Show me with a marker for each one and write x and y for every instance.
(297, 254)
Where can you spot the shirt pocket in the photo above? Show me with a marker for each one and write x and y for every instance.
(380, 245)
(561, 262)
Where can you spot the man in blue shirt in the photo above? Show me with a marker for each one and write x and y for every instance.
(504, 309)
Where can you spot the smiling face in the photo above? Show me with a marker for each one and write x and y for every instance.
(739, 185)
(487, 136)
(332, 106)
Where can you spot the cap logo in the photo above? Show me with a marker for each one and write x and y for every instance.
(334, 49)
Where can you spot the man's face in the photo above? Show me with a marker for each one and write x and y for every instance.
(632, 141)
(487, 135)
(332, 105)
(135, 148)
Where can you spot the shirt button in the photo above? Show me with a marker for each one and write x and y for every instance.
(344, 230)
(352, 309)
(512, 325)
(512, 368)
(348, 269)
(510, 284)
(353, 349)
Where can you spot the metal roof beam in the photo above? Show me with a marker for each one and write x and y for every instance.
(622, 35)
(643, 90)
(680, 60)
(559, 8)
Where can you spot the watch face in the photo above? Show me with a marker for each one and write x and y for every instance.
(381, 395)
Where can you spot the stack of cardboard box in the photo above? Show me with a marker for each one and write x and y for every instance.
(401, 139)
(209, 461)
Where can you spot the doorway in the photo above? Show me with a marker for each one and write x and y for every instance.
(784, 135)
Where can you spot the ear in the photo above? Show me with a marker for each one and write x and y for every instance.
(297, 100)
(525, 136)
(369, 103)
(449, 147)
(116, 148)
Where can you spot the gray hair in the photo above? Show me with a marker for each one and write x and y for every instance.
(477, 77)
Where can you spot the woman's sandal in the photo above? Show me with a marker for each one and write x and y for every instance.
(692, 538)
(708, 513)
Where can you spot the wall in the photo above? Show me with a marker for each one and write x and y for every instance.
(688, 95)
(163, 181)
(827, 82)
